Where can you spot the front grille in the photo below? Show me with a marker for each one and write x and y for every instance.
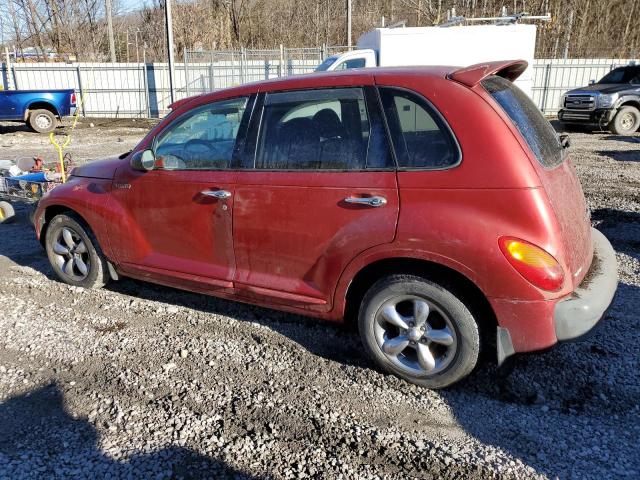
(580, 102)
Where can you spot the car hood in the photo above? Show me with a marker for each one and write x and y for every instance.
(105, 169)
(606, 88)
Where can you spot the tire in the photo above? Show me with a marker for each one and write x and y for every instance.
(7, 213)
(88, 267)
(450, 333)
(43, 121)
(626, 121)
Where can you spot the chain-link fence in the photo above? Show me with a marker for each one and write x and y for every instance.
(209, 71)
(142, 90)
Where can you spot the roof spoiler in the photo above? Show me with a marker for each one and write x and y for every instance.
(471, 76)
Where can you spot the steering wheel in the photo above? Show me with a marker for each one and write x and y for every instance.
(173, 162)
(197, 149)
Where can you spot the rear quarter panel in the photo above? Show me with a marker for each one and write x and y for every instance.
(457, 215)
(22, 100)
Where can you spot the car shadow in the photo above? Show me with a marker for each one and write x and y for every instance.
(622, 228)
(23, 128)
(624, 138)
(621, 155)
(40, 439)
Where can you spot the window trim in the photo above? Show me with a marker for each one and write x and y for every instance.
(256, 125)
(434, 112)
(241, 136)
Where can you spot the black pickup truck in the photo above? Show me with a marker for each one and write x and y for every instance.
(612, 103)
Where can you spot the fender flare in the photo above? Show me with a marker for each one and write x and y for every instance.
(389, 252)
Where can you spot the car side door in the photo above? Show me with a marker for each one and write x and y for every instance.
(177, 218)
(318, 188)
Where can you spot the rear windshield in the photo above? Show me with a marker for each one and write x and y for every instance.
(536, 130)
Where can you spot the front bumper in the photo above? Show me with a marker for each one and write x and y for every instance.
(599, 116)
(576, 315)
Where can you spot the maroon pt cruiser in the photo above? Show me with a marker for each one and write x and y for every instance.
(435, 205)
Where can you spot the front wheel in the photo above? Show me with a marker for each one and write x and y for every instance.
(74, 253)
(626, 121)
(419, 330)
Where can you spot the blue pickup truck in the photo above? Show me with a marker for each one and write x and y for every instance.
(42, 110)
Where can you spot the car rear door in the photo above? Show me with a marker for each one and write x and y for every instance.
(318, 188)
(177, 221)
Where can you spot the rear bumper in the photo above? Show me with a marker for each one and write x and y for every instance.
(600, 116)
(576, 315)
(530, 326)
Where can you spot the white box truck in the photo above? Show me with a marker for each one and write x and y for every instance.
(457, 46)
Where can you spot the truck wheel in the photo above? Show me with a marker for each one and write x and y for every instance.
(419, 330)
(43, 121)
(626, 121)
(74, 252)
(7, 213)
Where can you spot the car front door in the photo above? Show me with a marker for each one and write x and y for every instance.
(319, 188)
(176, 220)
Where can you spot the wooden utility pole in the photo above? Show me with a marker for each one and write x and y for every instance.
(349, 24)
(112, 44)
(169, 25)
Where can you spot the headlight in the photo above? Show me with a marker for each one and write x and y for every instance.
(606, 101)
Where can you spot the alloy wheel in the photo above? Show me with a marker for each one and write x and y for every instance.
(415, 335)
(71, 254)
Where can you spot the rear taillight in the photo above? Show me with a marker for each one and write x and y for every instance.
(536, 265)
(73, 98)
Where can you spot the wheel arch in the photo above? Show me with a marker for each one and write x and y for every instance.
(56, 209)
(450, 277)
(630, 101)
(40, 105)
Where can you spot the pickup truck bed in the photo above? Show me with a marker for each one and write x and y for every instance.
(40, 109)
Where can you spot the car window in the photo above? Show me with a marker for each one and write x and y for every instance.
(314, 130)
(622, 75)
(349, 64)
(203, 139)
(528, 119)
(420, 136)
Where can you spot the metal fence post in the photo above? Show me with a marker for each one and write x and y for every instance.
(186, 71)
(243, 65)
(82, 97)
(281, 73)
(323, 52)
(545, 87)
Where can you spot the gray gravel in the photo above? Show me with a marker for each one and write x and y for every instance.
(142, 381)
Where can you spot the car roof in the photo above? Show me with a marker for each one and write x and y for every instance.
(356, 77)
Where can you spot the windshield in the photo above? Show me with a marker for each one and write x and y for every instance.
(622, 75)
(324, 66)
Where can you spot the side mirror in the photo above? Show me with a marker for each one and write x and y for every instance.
(592, 82)
(143, 160)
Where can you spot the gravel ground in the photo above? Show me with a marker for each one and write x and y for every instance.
(142, 381)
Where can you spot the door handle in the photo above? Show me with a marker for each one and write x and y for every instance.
(376, 201)
(222, 194)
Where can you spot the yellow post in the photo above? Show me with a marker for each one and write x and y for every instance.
(60, 148)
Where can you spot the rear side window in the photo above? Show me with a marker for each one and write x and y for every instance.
(421, 139)
(536, 130)
(317, 130)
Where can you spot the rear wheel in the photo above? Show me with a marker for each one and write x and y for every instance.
(626, 121)
(419, 330)
(74, 253)
(7, 213)
(43, 121)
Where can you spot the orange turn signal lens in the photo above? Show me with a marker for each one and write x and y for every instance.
(532, 262)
